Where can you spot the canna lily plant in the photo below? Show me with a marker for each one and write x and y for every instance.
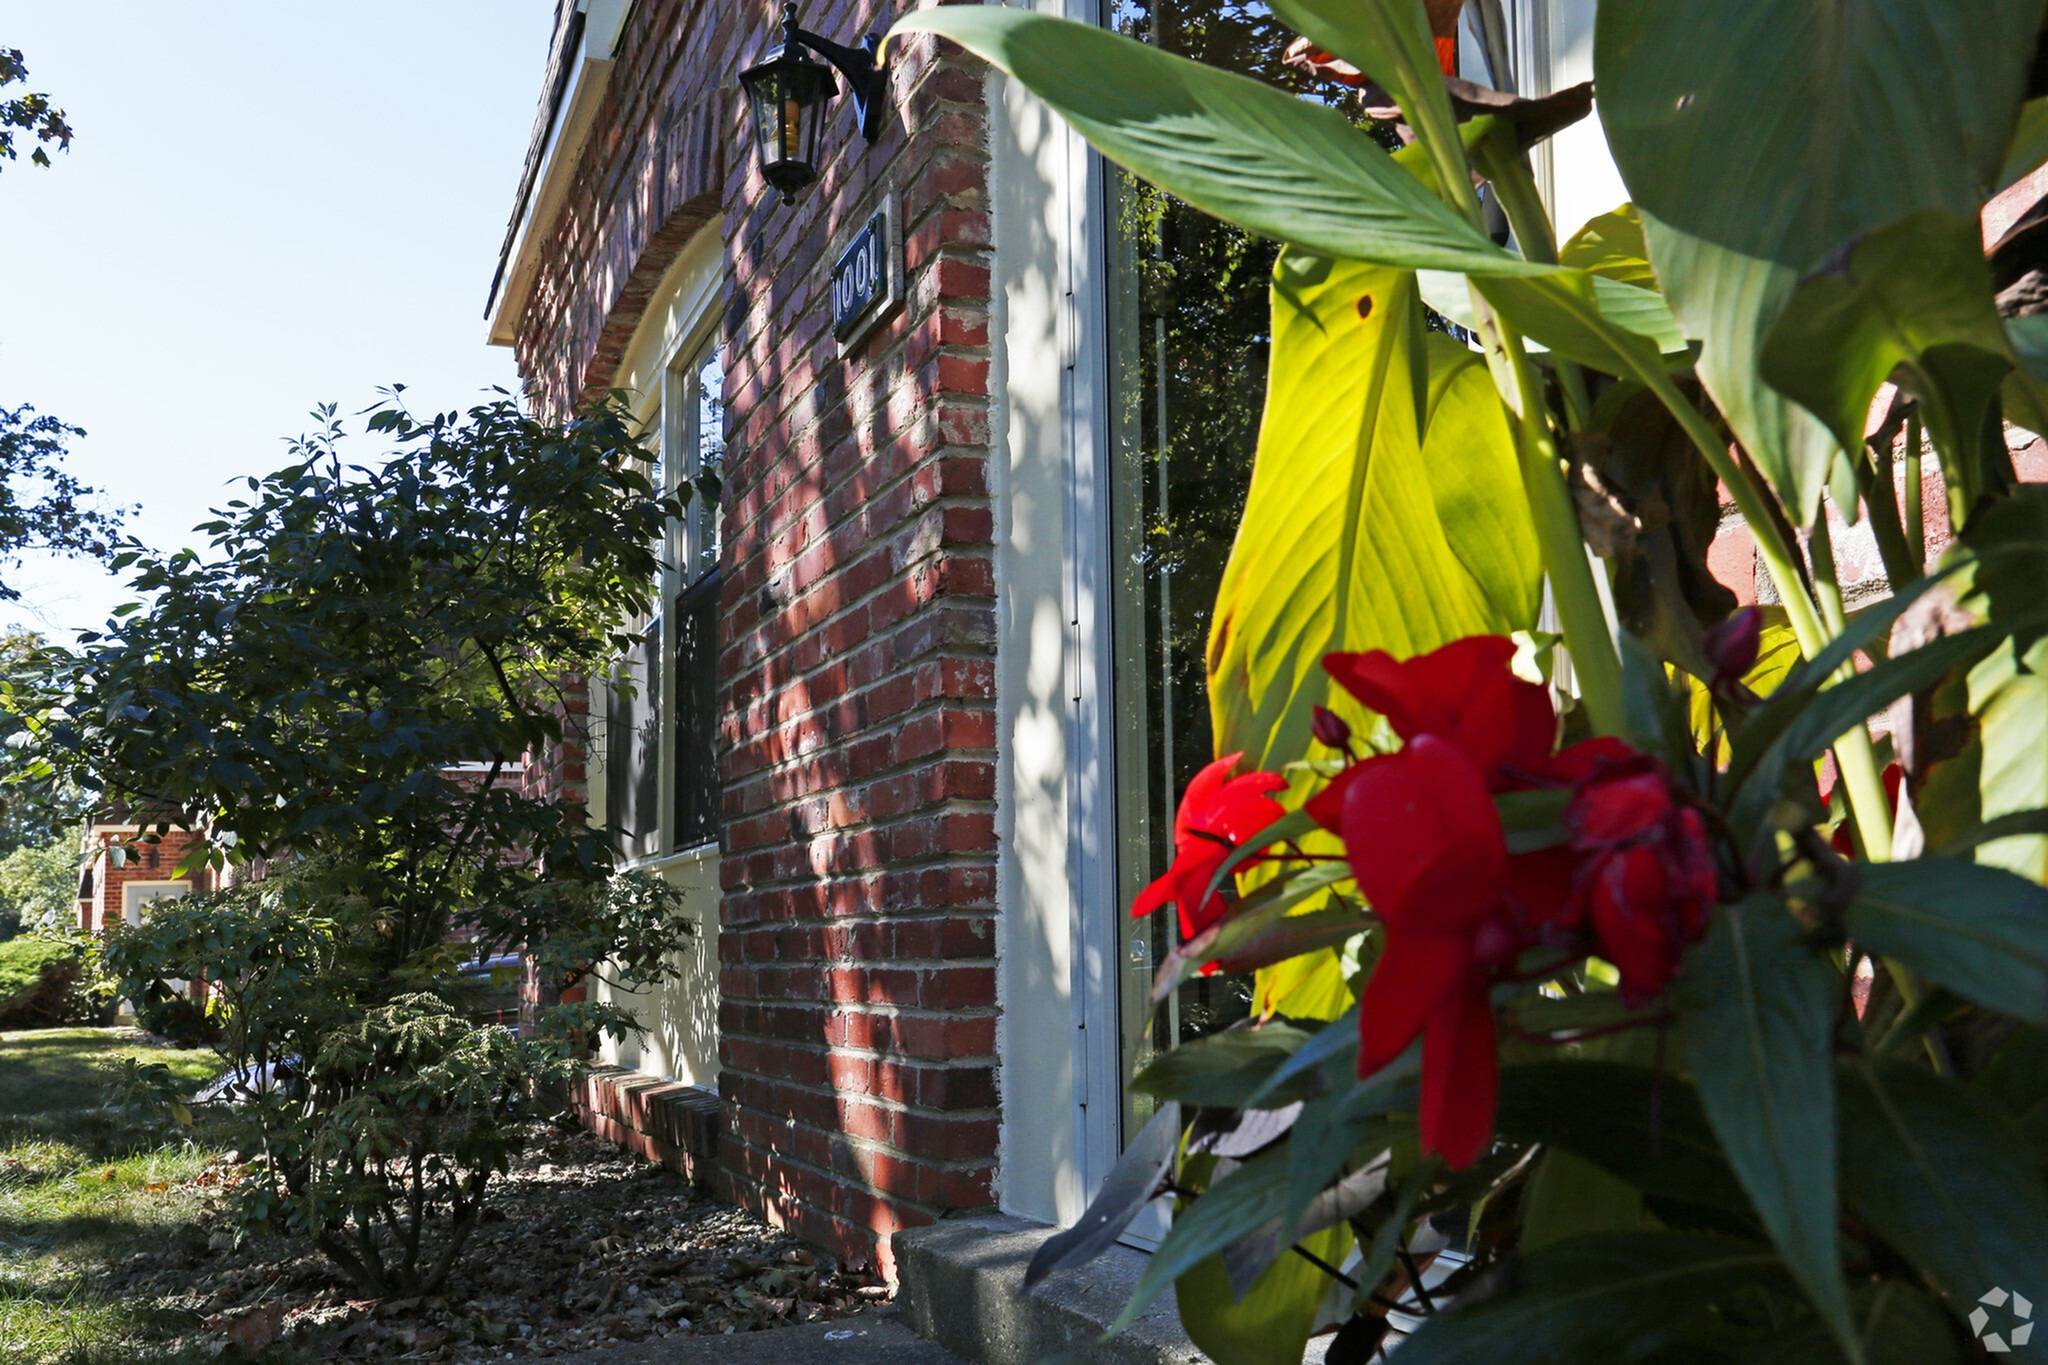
(1587, 1027)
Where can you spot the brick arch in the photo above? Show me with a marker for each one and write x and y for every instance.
(630, 211)
(667, 197)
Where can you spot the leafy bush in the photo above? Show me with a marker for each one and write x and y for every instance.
(35, 978)
(48, 979)
(1586, 1027)
(341, 693)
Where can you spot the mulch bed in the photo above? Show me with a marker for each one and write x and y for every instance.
(582, 1246)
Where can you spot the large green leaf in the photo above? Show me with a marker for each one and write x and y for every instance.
(2029, 144)
(1611, 244)
(1794, 129)
(1898, 1324)
(1247, 153)
(1980, 931)
(1225, 1070)
(1358, 531)
(1914, 295)
(1280, 1307)
(1945, 1180)
(1639, 1125)
(1274, 1318)
(1614, 1298)
(2000, 565)
(1593, 319)
(1758, 1008)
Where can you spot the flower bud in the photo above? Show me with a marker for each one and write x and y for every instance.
(1732, 645)
(1330, 728)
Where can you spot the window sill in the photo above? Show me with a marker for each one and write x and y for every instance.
(666, 862)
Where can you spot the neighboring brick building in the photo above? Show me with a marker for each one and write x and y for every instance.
(926, 681)
(115, 885)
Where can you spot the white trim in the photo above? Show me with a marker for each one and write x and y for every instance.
(689, 857)
(1059, 1044)
(184, 886)
(573, 120)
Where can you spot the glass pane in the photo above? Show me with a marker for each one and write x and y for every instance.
(1189, 335)
(710, 461)
(632, 741)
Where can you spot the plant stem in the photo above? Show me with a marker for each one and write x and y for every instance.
(1588, 637)
(1853, 752)
(1506, 168)
(1880, 496)
(1916, 530)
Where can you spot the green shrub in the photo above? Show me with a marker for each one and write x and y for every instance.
(37, 980)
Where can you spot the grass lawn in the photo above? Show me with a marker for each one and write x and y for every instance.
(78, 1194)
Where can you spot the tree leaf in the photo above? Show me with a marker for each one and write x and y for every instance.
(1613, 1298)
(1757, 1006)
(1273, 1318)
(1914, 295)
(1612, 245)
(1639, 1125)
(1978, 930)
(1345, 543)
(1241, 151)
(1225, 1070)
(1753, 156)
(1945, 1180)
(1125, 1191)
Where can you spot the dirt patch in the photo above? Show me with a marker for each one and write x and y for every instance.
(582, 1245)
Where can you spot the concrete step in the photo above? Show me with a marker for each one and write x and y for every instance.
(962, 1285)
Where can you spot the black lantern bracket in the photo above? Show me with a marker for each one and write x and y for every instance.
(863, 68)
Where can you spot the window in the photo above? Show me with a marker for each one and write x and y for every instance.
(1188, 333)
(661, 758)
(136, 895)
(694, 731)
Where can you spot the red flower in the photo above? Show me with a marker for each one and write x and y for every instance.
(1426, 848)
(1464, 694)
(1649, 880)
(1217, 814)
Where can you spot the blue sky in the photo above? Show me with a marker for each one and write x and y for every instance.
(269, 204)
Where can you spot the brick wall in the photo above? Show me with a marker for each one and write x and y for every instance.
(857, 982)
(142, 863)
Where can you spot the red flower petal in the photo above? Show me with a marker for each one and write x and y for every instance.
(1616, 807)
(1414, 978)
(1632, 922)
(1218, 813)
(1424, 838)
(1584, 759)
(1460, 1078)
(1463, 692)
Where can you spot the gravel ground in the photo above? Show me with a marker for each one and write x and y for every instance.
(582, 1247)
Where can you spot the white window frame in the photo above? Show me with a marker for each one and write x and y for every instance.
(658, 371)
(131, 911)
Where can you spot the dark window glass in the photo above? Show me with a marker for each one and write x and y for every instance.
(696, 727)
(632, 744)
(1189, 334)
(695, 732)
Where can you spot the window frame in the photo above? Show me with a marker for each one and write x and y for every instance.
(682, 326)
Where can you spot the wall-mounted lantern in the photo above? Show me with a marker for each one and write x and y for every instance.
(788, 93)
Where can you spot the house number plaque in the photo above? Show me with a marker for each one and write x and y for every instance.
(867, 278)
